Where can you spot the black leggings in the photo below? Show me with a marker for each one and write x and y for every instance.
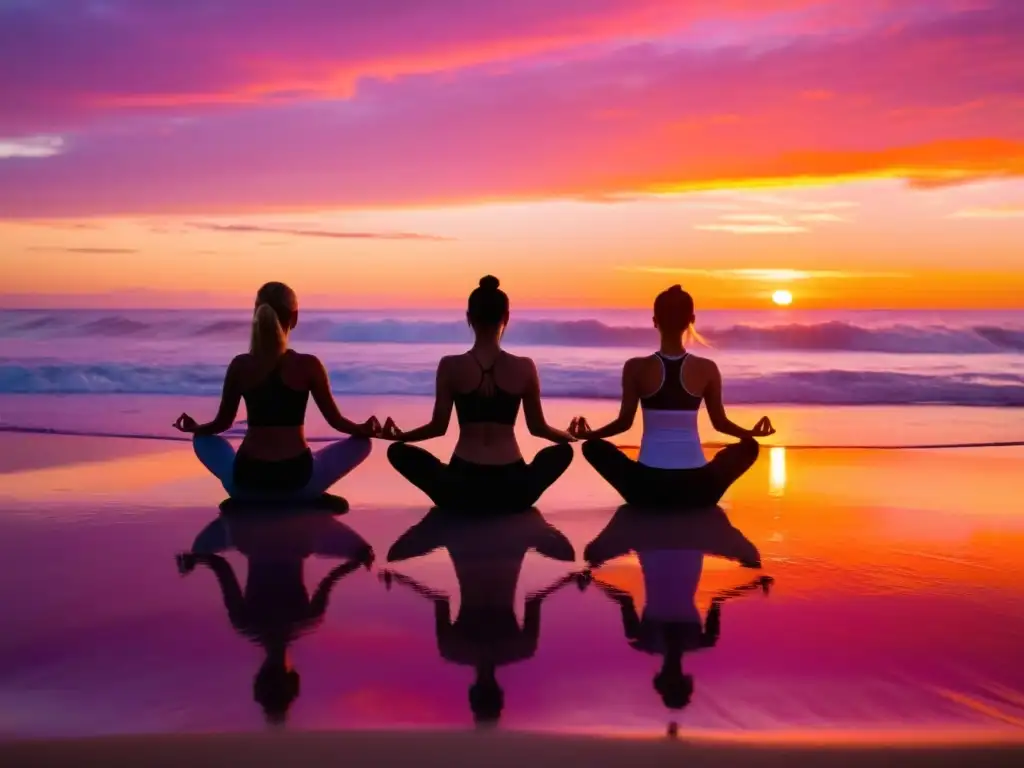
(681, 488)
(481, 487)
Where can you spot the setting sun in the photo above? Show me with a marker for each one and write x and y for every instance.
(782, 298)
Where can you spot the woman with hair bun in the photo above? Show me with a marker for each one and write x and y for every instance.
(274, 458)
(669, 387)
(486, 386)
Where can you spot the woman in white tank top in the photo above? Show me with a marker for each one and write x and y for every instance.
(669, 387)
(671, 551)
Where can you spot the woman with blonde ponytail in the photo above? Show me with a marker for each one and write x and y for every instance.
(669, 387)
(274, 458)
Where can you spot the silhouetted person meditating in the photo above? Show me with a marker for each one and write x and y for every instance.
(669, 387)
(486, 386)
(671, 553)
(274, 459)
(275, 608)
(487, 555)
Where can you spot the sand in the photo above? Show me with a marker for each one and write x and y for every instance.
(894, 623)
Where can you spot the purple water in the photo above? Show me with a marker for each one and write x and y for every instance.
(957, 358)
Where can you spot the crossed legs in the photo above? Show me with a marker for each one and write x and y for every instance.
(330, 463)
(518, 487)
(649, 486)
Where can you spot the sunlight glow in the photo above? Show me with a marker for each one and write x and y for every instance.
(782, 298)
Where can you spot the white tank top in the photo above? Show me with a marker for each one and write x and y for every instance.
(670, 439)
(671, 577)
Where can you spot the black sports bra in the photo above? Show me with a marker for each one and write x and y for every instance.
(272, 403)
(672, 395)
(475, 407)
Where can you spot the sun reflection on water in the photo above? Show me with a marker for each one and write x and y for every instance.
(777, 470)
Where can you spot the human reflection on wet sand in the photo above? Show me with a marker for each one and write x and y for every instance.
(671, 550)
(487, 553)
(275, 608)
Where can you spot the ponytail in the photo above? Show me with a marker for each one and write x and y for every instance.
(691, 335)
(275, 315)
(268, 337)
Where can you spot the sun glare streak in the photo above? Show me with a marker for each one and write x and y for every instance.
(777, 471)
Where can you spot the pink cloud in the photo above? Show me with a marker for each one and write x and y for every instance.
(61, 62)
(632, 118)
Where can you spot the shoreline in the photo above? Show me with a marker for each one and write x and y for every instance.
(55, 432)
(561, 398)
(496, 749)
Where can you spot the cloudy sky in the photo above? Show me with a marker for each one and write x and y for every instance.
(589, 152)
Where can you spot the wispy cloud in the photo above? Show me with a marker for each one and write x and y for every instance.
(329, 234)
(756, 218)
(763, 275)
(820, 218)
(31, 146)
(795, 202)
(58, 249)
(769, 223)
(753, 229)
(995, 212)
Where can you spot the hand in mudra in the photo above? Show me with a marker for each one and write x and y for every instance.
(369, 428)
(763, 428)
(185, 423)
(580, 428)
(390, 431)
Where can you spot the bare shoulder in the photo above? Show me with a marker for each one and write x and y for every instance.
(704, 364)
(636, 366)
(526, 362)
(309, 363)
(447, 361)
(242, 362)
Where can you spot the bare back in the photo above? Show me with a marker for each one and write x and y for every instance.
(296, 372)
(499, 376)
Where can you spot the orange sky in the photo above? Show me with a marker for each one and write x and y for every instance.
(860, 153)
(857, 244)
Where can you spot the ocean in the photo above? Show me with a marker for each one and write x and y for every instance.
(777, 356)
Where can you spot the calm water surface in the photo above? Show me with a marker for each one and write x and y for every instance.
(888, 604)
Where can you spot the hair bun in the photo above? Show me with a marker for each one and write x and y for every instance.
(489, 283)
(675, 289)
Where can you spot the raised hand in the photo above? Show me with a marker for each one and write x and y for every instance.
(579, 428)
(390, 431)
(369, 428)
(763, 428)
(366, 557)
(186, 563)
(185, 423)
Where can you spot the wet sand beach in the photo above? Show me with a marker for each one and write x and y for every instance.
(894, 618)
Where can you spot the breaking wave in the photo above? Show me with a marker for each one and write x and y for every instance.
(831, 336)
(827, 387)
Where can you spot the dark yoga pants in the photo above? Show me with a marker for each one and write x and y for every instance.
(682, 488)
(481, 487)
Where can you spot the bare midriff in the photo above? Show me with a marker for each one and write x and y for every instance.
(487, 443)
(274, 443)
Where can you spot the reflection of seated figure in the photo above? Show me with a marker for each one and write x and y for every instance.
(671, 552)
(487, 554)
(275, 607)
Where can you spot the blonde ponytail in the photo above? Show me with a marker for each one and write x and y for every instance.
(276, 314)
(268, 337)
(691, 335)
